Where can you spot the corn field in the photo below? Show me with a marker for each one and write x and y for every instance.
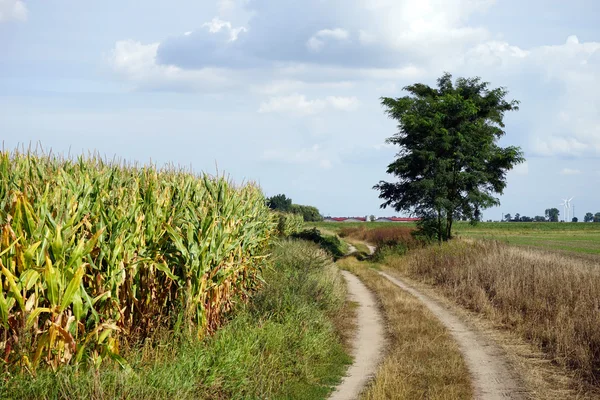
(288, 223)
(95, 254)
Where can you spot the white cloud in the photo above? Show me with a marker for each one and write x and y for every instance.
(572, 127)
(343, 103)
(137, 62)
(13, 10)
(299, 105)
(569, 171)
(400, 41)
(282, 86)
(317, 42)
(217, 25)
(313, 155)
(295, 104)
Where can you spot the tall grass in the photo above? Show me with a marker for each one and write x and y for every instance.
(382, 236)
(97, 255)
(551, 300)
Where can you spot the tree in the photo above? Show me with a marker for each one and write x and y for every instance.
(539, 218)
(280, 203)
(508, 217)
(371, 218)
(449, 164)
(597, 217)
(575, 219)
(589, 217)
(517, 217)
(526, 219)
(309, 213)
(552, 214)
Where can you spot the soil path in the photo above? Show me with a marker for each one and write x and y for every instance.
(491, 374)
(367, 344)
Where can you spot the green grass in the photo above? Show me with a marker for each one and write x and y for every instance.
(283, 345)
(572, 237)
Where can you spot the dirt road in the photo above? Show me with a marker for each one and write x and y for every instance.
(367, 344)
(491, 373)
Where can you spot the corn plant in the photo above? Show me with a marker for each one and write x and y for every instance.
(94, 254)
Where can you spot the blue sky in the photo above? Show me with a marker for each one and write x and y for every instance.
(286, 93)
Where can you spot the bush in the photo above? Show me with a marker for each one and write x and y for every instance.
(309, 213)
(331, 244)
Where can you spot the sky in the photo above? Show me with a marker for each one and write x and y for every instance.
(286, 93)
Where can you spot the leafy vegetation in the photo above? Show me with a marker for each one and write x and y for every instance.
(449, 164)
(309, 213)
(282, 203)
(330, 243)
(279, 203)
(96, 256)
(281, 345)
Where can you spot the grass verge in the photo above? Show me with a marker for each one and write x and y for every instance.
(422, 360)
(283, 345)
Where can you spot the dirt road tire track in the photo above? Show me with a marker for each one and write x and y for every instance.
(368, 343)
(492, 375)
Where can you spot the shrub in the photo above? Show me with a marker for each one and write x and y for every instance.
(331, 244)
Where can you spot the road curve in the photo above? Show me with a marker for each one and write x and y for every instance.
(368, 343)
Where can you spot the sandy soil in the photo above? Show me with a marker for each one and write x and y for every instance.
(368, 343)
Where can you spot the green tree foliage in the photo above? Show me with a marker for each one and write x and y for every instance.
(508, 217)
(449, 165)
(279, 203)
(589, 217)
(575, 219)
(552, 214)
(309, 213)
(539, 218)
(597, 217)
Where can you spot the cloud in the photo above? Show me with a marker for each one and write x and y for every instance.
(384, 44)
(13, 10)
(137, 63)
(317, 42)
(572, 127)
(370, 33)
(298, 105)
(217, 25)
(313, 155)
(569, 171)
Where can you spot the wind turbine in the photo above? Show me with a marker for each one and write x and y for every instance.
(569, 208)
(565, 204)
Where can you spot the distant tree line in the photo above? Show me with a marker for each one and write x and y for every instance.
(282, 203)
(551, 215)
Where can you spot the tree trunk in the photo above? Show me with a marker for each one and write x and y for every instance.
(440, 233)
(449, 226)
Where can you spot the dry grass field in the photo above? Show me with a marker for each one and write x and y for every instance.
(550, 299)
